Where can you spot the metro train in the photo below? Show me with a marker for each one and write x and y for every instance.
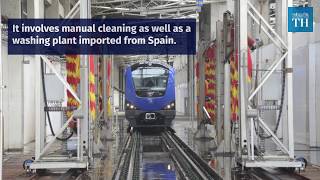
(150, 94)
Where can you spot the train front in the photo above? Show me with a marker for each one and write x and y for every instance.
(150, 95)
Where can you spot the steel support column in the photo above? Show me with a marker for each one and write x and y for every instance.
(290, 92)
(104, 89)
(111, 96)
(201, 89)
(1, 104)
(241, 26)
(227, 88)
(84, 88)
(219, 77)
(227, 94)
(191, 103)
(38, 6)
(107, 96)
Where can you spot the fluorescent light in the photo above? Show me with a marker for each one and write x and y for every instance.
(102, 7)
(121, 9)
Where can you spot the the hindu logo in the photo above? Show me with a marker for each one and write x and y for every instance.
(300, 19)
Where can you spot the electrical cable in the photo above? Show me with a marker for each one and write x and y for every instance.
(46, 106)
(281, 102)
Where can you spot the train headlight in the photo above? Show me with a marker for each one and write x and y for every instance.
(130, 106)
(170, 106)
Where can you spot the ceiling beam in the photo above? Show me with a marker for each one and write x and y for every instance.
(187, 1)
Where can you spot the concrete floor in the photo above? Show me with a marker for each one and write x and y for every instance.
(105, 162)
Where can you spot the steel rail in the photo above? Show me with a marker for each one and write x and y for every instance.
(200, 162)
(136, 164)
(125, 164)
(182, 173)
(128, 166)
(182, 161)
(197, 163)
(121, 161)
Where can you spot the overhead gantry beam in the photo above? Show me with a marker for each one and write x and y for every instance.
(144, 8)
(161, 1)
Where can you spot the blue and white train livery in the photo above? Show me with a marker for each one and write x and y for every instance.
(150, 94)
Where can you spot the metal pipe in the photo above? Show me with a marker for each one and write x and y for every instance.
(252, 138)
(206, 112)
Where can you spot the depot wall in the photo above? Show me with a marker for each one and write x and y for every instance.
(18, 75)
(181, 84)
(306, 86)
(12, 101)
(29, 99)
(12, 71)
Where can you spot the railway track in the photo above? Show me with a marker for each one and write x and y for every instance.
(188, 164)
(127, 167)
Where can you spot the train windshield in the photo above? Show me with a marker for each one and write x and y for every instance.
(150, 81)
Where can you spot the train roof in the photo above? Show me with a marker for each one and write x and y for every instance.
(150, 63)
